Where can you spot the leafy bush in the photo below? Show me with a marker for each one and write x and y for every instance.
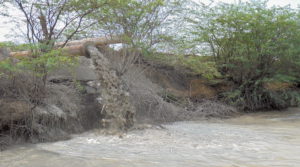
(262, 99)
(253, 44)
(15, 47)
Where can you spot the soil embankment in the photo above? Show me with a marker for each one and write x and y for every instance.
(72, 101)
(95, 95)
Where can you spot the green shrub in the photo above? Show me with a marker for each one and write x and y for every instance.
(252, 44)
(15, 47)
(260, 99)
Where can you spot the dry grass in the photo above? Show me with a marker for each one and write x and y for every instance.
(31, 111)
(278, 86)
(153, 108)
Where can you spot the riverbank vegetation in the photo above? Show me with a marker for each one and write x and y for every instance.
(173, 56)
(249, 44)
(252, 45)
(175, 60)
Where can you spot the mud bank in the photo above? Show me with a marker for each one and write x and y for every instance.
(94, 95)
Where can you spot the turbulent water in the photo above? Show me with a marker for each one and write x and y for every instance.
(260, 139)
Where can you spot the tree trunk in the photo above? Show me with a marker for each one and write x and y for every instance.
(77, 47)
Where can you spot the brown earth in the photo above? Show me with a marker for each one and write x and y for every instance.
(109, 98)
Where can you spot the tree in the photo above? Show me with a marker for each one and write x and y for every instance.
(50, 20)
(139, 23)
(47, 21)
(252, 44)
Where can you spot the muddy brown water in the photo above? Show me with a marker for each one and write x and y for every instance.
(252, 140)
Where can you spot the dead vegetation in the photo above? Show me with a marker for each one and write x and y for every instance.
(154, 105)
(34, 111)
(27, 117)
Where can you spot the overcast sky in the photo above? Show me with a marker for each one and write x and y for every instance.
(6, 27)
(293, 3)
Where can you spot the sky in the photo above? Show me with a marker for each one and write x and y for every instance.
(293, 3)
(7, 27)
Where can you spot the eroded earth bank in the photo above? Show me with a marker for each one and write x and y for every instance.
(150, 114)
(99, 94)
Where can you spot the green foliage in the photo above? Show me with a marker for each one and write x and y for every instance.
(49, 61)
(262, 99)
(26, 77)
(139, 22)
(14, 47)
(28, 74)
(197, 65)
(39, 65)
(252, 44)
(200, 66)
